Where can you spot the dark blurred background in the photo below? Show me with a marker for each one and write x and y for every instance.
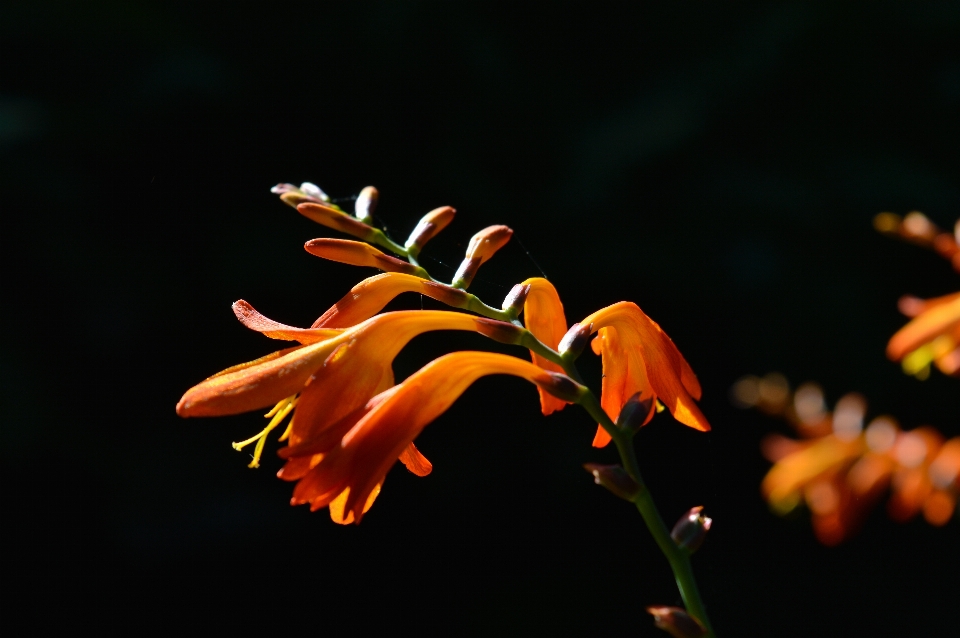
(718, 165)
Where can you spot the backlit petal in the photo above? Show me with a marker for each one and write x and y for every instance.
(371, 295)
(543, 316)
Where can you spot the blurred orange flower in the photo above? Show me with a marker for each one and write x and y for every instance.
(932, 337)
(840, 469)
(640, 362)
(344, 466)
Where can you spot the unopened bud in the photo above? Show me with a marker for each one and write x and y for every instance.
(574, 341)
(488, 241)
(501, 331)
(335, 219)
(615, 479)
(560, 386)
(482, 247)
(691, 529)
(635, 413)
(312, 190)
(676, 622)
(357, 253)
(365, 205)
(295, 195)
(428, 227)
(513, 302)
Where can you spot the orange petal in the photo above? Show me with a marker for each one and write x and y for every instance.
(371, 295)
(543, 316)
(357, 253)
(252, 319)
(336, 506)
(256, 385)
(932, 322)
(415, 461)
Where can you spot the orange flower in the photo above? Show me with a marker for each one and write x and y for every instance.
(932, 337)
(640, 362)
(344, 466)
(335, 371)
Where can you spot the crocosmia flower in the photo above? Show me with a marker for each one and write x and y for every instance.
(333, 372)
(344, 465)
(640, 362)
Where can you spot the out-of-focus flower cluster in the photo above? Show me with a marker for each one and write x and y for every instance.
(840, 466)
(933, 335)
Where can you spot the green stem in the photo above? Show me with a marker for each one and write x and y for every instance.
(378, 237)
(679, 559)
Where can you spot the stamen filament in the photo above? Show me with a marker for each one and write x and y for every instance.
(279, 412)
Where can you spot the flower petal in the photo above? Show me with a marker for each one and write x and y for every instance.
(371, 295)
(252, 319)
(543, 316)
(256, 385)
(415, 461)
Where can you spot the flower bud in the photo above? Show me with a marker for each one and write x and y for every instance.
(574, 341)
(295, 195)
(428, 227)
(356, 253)
(676, 622)
(615, 479)
(501, 331)
(635, 413)
(365, 205)
(482, 247)
(513, 302)
(335, 219)
(691, 529)
(560, 386)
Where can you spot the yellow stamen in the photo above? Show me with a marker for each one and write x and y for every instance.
(279, 412)
(917, 363)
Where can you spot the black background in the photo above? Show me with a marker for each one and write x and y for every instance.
(720, 166)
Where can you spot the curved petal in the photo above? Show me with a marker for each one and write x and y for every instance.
(371, 295)
(252, 319)
(255, 386)
(939, 318)
(415, 461)
(543, 316)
